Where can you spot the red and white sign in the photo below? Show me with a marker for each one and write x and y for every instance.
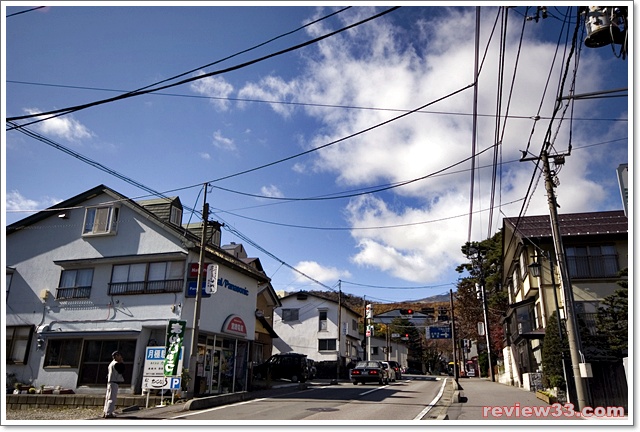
(234, 325)
(193, 270)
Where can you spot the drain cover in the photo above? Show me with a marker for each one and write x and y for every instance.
(323, 409)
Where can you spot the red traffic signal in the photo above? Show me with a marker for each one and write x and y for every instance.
(406, 311)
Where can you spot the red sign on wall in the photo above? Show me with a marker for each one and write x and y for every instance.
(234, 325)
(193, 271)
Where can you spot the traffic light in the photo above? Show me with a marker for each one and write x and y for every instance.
(406, 312)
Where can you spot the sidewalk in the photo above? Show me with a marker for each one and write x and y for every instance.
(482, 399)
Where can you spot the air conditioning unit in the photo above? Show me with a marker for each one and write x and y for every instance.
(44, 294)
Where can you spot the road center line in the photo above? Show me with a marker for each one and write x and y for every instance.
(372, 390)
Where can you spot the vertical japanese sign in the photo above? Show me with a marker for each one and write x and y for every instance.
(212, 279)
(175, 336)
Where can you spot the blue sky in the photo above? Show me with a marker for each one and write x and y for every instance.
(343, 104)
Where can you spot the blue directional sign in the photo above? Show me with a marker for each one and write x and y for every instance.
(439, 332)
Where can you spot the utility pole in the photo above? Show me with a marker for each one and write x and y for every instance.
(485, 308)
(453, 338)
(573, 335)
(339, 330)
(193, 358)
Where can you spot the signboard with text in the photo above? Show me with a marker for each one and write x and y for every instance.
(438, 332)
(153, 372)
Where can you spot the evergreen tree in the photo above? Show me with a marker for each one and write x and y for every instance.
(612, 319)
(552, 371)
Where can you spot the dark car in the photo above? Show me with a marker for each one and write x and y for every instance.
(413, 371)
(396, 369)
(291, 366)
(369, 371)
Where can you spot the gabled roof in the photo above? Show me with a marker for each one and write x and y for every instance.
(572, 224)
(64, 205)
(161, 207)
(299, 294)
(189, 238)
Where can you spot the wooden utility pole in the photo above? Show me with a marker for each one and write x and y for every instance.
(193, 358)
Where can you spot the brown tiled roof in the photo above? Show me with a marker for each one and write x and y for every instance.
(573, 224)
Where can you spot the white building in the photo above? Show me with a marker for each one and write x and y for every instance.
(389, 349)
(100, 272)
(308, 324)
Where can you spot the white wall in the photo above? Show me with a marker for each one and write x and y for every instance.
(302, 336)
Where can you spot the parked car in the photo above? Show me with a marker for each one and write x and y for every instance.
(291, 366)
(413, 371)
(390, 372)
(396, 368)
(369, 371)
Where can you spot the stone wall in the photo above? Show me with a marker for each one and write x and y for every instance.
(31, 401)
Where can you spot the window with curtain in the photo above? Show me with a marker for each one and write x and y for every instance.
(18, 340)
(322, 320)
(100, 220)
(592, 261)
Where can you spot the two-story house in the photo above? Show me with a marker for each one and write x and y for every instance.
(596, 249)
(100, 272)
(319, 327)
(386, 349)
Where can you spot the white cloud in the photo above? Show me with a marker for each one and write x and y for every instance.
(321, 273)
(379, 66)
(204, 155)
(214, 87)
(271, 191)
(271, 88)
(62, 127)
(222, 142)
(16, 202)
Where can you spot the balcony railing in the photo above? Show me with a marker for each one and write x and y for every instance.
(64, 293)
(146, 287)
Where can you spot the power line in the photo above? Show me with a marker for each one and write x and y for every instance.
(599, 95)
(68, 110)
(356, 228)
(25, 11)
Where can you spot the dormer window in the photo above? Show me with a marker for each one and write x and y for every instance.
(101, 220)
(176, 216)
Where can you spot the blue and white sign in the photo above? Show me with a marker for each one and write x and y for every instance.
(438, 332)
(191, 289)
(161, 383)
(154, 362)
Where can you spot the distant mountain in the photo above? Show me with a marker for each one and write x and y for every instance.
(440, 298)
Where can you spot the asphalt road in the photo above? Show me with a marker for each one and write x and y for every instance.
(403, 400)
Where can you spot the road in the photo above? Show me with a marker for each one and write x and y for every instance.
(406, 399)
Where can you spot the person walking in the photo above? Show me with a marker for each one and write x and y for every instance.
(114, 377)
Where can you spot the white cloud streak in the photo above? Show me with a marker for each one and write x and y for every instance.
(381, 66)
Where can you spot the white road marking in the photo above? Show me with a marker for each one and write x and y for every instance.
(432, 403)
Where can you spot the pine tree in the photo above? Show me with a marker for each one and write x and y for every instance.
(612, 319)
(552, 371)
